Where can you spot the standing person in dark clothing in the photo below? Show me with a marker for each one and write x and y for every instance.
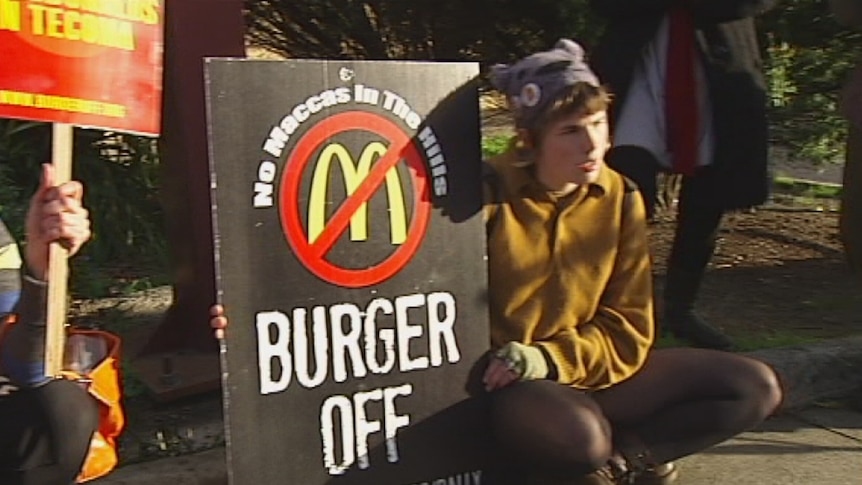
(45, 424)
(690, 98)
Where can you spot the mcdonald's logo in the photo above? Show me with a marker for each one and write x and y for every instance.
(365, 176)
(354, 174)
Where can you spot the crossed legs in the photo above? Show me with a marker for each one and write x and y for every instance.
(682, 401)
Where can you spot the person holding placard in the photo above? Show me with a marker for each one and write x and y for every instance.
(46, 424)
(576, 387)
(576, 392)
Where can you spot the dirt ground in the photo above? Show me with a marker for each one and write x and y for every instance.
(778, 277)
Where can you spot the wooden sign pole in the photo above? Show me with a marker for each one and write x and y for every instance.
(58, 269)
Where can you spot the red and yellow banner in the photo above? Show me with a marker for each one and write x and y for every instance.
(94, 63)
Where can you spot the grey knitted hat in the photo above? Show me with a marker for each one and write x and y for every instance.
(534, 83)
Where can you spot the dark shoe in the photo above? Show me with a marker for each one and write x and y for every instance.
(691, 328)
(665, 474)
(607, 475)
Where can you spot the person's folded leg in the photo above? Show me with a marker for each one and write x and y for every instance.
(49, 432)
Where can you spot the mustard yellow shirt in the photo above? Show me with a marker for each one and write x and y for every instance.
(570, 275)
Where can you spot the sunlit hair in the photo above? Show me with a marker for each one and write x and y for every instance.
(582, 98)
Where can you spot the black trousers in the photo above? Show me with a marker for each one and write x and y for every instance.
(697, 220)
(45, 433)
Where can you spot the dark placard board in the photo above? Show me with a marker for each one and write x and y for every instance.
(350, 257)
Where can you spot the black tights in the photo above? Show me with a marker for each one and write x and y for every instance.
(682, 401)
(45, 434)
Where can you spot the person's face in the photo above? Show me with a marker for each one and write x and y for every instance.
(571, 150)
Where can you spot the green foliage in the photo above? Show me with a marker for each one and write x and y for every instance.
(494, 145)
(483, 30)
(806, 189)
(808, 56)
(747, 343)
(23, 146)
(120, 175)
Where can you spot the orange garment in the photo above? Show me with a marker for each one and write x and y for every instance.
(570, 275)
(104, 384)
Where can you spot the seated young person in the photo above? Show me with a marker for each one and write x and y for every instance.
(45, 425)
(578, 394)
(577, 387)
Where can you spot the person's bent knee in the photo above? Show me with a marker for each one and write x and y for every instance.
(767, 389)
(73, 417)
(67, 418)
(70, 406)
(756, 386)
(591, 446)
(585, 443)
(552, 426)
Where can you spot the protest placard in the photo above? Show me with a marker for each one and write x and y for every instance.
(93, 63)
(351, 260)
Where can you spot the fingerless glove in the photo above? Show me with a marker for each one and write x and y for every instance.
(528, 362)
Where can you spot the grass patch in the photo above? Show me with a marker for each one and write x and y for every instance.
(806, 188)
(747, 343)
(495, 145)
(778, 339)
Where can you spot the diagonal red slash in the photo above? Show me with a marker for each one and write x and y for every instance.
(340, 220)
(401, 148)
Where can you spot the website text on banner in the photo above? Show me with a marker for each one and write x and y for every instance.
(95, 63)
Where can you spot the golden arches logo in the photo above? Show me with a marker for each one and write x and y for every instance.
(354, 174)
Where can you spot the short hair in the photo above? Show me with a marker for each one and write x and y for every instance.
(579, 97)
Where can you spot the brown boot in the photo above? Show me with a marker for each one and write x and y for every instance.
(616, 472)
(637, 462)
(663, 474)
(602, 476)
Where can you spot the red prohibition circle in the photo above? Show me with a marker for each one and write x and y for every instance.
(313, 255)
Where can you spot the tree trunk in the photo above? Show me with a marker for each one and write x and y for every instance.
(851, 201)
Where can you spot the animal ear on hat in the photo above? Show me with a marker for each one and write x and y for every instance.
(571, 47)
(501, 75)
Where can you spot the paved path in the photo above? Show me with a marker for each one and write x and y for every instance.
(813, 447)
